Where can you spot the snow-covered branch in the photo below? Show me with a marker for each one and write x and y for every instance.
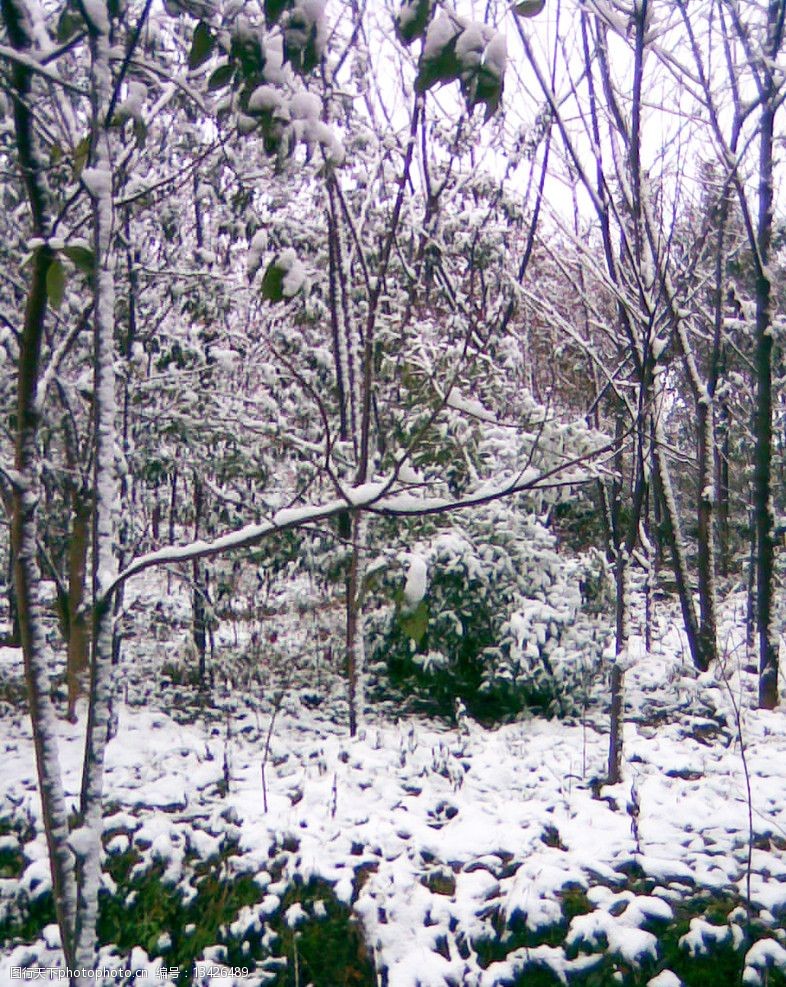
(35, 66)
(378, 497)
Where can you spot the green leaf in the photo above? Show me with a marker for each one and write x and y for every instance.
(273, 282)
(55, 283)
(529, 8)
(484, 88)
(247, 52)
(221, 77)
(441, 67)
(81, 154)
(415, 624)
(202, 46)
(140, 133)
(82, 258)
(69, 24)
(300, 45)
(408, 28)
(274, 9)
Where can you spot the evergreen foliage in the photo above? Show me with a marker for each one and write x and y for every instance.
(502, 626)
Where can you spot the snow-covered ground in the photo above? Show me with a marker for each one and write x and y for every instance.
(460, 851)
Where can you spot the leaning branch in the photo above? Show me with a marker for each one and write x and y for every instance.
(378, 497)
(33, 65)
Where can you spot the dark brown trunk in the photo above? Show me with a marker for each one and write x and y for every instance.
(12, 639)
(722, 472)
(352, 627)
(25, 498)
(671, 532)
(705, 560)
(762, 487)
(77, 661)
(199, 590)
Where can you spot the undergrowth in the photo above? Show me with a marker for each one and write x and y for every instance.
(311, 937)
(718, 963)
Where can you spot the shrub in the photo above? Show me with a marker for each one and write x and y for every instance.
(501, 624)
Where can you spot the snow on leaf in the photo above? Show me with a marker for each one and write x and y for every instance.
(97, 14)
(274, 9)
(98, 181)
(82, 257)
(412, 19)
(264, 99)
(305, 106)
(415, 586)
(495, 56)
(766, 954)
(284, 278)
(439, 62)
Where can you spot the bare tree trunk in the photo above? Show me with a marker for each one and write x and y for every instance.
(616, 710)
(31, 614)
(26, 495)
(705, 564)
(762, 45)
(625, 538)
(718, 373)
(709, 460)
(722, 473)
(762, 501)
(87, 838)
(78, 653)
(199, 590)
(337, 281)
(172, 519)
(650, 581)
(13, 639)
(355, 639)
(673, 532)
(125, 526)
(750, 585)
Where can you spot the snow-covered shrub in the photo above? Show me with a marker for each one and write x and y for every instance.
(489, 614)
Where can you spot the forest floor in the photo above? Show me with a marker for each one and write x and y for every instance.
(249, 840)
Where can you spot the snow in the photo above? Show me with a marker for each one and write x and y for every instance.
(295, 915)
(470, 46)
(665, 979)
(98, 181)
(659, 345)
(440, 33)
(409, 475)
(630, 943)
(256, 249)
(295, 273)
(456, 400)
(415, 586)
(305, 106)
(766, 954)
(495, 56)
(264, 99)
(407, 13)
(310, 14)
(96, 11)
(132, 106)
(324, 135)
(452, 827)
